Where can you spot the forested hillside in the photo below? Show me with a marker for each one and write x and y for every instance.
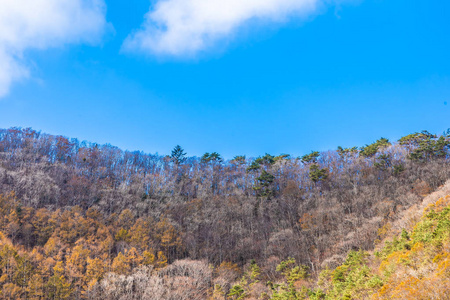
(80, 220)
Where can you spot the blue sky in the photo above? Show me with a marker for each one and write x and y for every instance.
(339, 74)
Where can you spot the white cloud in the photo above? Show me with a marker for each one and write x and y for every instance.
(41, 24)
(186, 27)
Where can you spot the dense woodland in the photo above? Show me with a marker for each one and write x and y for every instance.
(80, 220)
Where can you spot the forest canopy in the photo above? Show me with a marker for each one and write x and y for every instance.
(80, 220)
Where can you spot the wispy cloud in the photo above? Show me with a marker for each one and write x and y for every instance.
(186, 27)
(41, 24)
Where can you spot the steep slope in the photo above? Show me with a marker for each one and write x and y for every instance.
(415, 264)
(412, 262)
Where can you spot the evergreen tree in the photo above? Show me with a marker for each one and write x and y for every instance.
(211, 157)
(372, 149)
(317, 174)
(264, 184)
(310, 158)
(178, 155)
(238, 159)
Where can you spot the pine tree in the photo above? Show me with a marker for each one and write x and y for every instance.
(178, 155)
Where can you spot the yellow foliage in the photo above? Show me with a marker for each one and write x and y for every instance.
(10, 291)
(148, 258)
(120, 264)
(35, 288)
(133, 257)
(423, 272)
(383, 231)
(64, 254)
(439, 205)
(162, 260)
(139, 234)
(122, 235)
